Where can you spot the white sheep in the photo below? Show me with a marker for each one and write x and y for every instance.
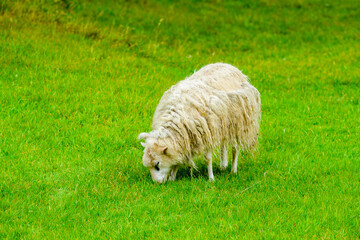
(215, 107)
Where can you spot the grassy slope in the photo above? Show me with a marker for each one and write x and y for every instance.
(79, 81)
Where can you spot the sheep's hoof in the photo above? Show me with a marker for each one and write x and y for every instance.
(223, 165)
(223, 168)
(211, 179)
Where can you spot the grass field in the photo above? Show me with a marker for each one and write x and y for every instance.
(80, 80)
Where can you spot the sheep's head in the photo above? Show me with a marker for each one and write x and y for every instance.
(158, 156)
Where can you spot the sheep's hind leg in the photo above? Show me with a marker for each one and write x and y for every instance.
(208, 159)
(223, 158)
(235, 156)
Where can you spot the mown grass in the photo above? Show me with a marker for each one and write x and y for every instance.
(79, 80)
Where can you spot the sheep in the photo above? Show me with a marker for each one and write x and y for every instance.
(216, 107)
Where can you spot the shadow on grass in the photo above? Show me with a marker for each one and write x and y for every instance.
(249, 168)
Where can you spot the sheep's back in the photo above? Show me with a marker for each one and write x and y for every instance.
(220, 76)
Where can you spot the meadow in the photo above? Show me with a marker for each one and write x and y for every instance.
(79, 80)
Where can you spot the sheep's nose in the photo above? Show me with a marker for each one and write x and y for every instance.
(159, 181)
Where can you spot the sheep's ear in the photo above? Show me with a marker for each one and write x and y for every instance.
(143, 136)
(160, 149)
(143, 144)
(164, 150)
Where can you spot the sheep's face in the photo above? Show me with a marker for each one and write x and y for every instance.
(160, 159)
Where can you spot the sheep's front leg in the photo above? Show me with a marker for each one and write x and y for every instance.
(208, 159)
(172, 175)
(223, 158)
(235, 153)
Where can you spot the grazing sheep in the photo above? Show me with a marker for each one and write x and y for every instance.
(215, 107)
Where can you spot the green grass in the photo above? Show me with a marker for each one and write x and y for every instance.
(80, 80)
